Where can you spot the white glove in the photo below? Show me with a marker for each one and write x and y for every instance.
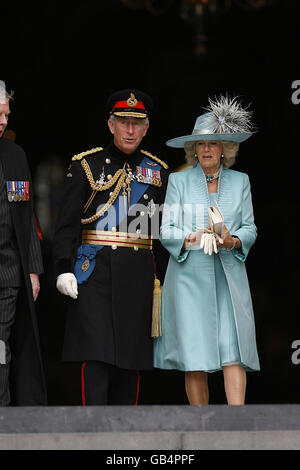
(67, 284)
(208, 240)
(208, 243)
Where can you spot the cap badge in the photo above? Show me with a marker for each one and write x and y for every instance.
(132, 101)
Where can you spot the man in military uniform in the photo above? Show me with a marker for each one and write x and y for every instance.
(21, 372)
(110, 214)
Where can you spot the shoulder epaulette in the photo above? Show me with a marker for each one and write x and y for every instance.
(79, 156)
(155, 158)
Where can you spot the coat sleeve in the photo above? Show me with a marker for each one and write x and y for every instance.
(247, 232)
(68, 226)
(173, 232)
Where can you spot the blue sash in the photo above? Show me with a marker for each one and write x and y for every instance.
(112, 218)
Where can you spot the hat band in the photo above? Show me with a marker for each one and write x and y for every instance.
(130, 113)
(202, 131)
(124, 104)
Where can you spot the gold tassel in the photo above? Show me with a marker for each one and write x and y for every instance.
(156, 310)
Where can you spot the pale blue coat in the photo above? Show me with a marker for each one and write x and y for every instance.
(189, 338)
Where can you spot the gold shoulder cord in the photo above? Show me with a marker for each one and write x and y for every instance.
(91, 180)
(155, 158)
(109, 202)
(120, 174)
(79, 156)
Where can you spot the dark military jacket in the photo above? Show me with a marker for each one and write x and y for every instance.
(27, 376)
(111, 319)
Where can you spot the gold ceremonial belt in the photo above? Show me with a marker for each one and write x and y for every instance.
(114, 239)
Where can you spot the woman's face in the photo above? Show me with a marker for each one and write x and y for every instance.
(209, 154)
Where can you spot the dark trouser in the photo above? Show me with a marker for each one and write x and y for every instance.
(104, 384)
(8, 300)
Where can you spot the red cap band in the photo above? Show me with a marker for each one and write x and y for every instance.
(124, 105)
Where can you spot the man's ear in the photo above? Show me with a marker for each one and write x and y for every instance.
(111, 126)
(146, 128)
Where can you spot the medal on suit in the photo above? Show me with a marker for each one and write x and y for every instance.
(17, 191)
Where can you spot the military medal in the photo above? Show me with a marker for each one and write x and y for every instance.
(10, 195)
(85, 265)
(15, 197)
(151, 208)
(126, 187)
(148, 176)
(17, 191)
(100, 182)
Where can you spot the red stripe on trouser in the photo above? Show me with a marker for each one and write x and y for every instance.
(137, 388)
(82, 385)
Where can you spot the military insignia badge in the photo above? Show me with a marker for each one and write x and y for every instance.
(101, 181)
(85, 265)
(132, 101)
(151, 208)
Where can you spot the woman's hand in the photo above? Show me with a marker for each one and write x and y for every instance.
(191, 239)
(229, 242)
(194, 239)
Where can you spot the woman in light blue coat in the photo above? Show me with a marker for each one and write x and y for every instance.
(207, 315)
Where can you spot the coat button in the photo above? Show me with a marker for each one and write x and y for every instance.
(109, 177)
(114, 247)
(142, 213)
(136, 248)
(146, 196)
(107, 161)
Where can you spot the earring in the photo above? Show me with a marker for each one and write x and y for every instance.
(196, 155)
(222, 155)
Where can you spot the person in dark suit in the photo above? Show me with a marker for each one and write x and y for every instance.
(21, 371)
(104, 254)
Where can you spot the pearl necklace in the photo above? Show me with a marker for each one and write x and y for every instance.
(210, 178)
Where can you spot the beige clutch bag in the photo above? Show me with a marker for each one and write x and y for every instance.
(216, 220)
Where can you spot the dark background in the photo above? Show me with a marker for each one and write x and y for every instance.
(64, 59)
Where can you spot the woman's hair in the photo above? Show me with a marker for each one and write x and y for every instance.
(230, 150)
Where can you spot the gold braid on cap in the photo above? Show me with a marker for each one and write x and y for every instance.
(155, 158)
(79, 156)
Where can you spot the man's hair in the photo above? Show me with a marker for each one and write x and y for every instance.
(230, 150)
(9, 95)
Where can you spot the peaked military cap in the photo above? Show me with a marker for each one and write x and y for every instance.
(129, 103)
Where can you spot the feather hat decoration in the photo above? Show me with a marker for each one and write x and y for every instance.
(224, 120)
(227, 115)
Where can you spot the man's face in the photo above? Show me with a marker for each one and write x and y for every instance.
(4, 112)
(128, 133)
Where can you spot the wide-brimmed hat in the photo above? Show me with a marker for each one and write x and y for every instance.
(129, 103)
(225, 120)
